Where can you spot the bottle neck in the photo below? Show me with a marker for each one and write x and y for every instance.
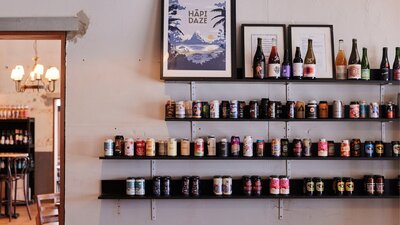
(398, 52)
(310, 44)
(340, 45)
(365, 54)
(384, 55)
(354, 46)
(297, 54)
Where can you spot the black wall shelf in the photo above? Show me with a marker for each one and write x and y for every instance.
(281, 120)
(115, 189)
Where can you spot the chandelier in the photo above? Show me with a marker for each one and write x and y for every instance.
(35, 80)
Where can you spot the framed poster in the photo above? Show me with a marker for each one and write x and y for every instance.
(251, 32)
(322, 36)
(198, 39)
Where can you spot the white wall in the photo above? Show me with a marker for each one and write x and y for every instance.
(113, 87)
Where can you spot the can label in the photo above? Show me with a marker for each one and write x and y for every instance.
(274, 186)
(271, 110)
(354, 111)
(297, 148)
(319, 186)
(257, 187)
(214, 109)
(247, 187)
(354, 71)
(340, 186)
(300, 110)
(276, 147)
(396, 149)
(349, 186)
(195, 187)
(307, 147)
(310, 186)
(180, 109)
(223, 148)
(157, 187)
(150, 147)
(260, 148)
(284, 186)
(172, 148)
(323, 148)
(197, 109)
(129, 147)
(130, 187)
(345, 149)
(227, 186)
(139, 187)
(369, 149)
(199, 147)
(370, 188)
(235, 146)
(185, 147)
(331, 149)
(234, 109)
(311, 111)
(363, 110)
(217, 186)
(188, 109)
(374, 110)
(379, 188)
(211, 146)
(166, 187)
(140, 148)
(248, 146)
(379, 148)
(108, 147)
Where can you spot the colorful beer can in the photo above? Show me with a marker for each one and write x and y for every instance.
(199, 147)
(129, 147)
(248, 146)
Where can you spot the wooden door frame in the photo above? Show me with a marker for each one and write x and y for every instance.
(51, 35)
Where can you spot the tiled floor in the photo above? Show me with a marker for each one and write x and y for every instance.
(23, 219)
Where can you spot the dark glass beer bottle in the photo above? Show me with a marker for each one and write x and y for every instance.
(285, 73)
(297, 65)
(274, 62)
(385, 66)
(396, 65)
(259, 61)
(309, 62)
(365, 70)
(354, 67)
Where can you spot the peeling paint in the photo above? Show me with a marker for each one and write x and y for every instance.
(73, 36)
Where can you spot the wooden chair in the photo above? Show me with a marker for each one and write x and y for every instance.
(48, 208)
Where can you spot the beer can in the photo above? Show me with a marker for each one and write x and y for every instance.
(180, 109)
(274, 188)
(150, 147)
(389, 110)
(272, 110)
(119, 145)
(165, 186)
(227, 185)
(157, 186)
(214, 109)
(290, 109)
(257, 186)
(199, 147)
(307, 147)
(311, 110)
(323, 110)
(337, 108)
(235, 145)
(195, 186)
(225, 107)
(319, 186)
(185, 147)
(308, 186)
(170, 109)
(140, 186)
(108, 147)
(369, 148)
(300, 110)
(253, 109)
(241, 108)
(284, 185)
(260, 148)
(264, 108)
(396, 148)
(140, 147)
(345, 148)
(162, 147)
(234, 109)
(223, 148)
(130, 186)
(285, 147)
(379, 148)
(172, 147)
(331, 148)
(374, 110)
(185, 185)
(211, 146)
(247, 185)
(188, 109)
(339, 186)
(297, 147)
(323, 148)
(354, 112)
(278, 110)
(276, 147)
(248, 146)
(217, 185)
(129, 149)
(363, 110)
(355, 147)
(205, 110)
(197, 108)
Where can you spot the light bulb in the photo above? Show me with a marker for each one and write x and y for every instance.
(17, 73)
(52, 74)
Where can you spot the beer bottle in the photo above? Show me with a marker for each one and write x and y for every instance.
(297, 65)
(259, 61)
(274, 62)
(365, 70)
(385, 66)
(396, 65)
(309, 62)
(354, 68)
(341, 63)
(286, 66)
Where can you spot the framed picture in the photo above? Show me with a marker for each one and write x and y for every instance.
(251, 32)
(322, 36)
(198, 39)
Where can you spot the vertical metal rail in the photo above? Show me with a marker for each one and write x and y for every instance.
(192, 123)
(153, 201)
(381, 96)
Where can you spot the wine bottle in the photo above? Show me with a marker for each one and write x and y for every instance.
(309, 62)
(385, 66)
(341, 63)
(259, 61)
(365, 70)
(286, 66)
(354, 68)
(297, 65)
(274, 62)
(396, 65)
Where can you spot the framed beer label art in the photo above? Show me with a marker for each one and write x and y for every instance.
(198, 39)
(322, 45)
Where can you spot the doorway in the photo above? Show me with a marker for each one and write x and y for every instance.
(54, 101)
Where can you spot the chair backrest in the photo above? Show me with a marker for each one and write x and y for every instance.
(47, 206)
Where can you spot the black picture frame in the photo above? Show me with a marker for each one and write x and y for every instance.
(247, 56)
(331, 55)
(231, 53)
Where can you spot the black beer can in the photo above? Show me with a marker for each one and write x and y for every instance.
(253, 109)
(285, 147)
(271, 110)
(278, 110)
(264, 108)
(205, 110)
(241, 109)
(165, 184)
(119, 145)
(223, 150)
(195, 186)
(225, 109)
(185, 185)
(156, 186)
